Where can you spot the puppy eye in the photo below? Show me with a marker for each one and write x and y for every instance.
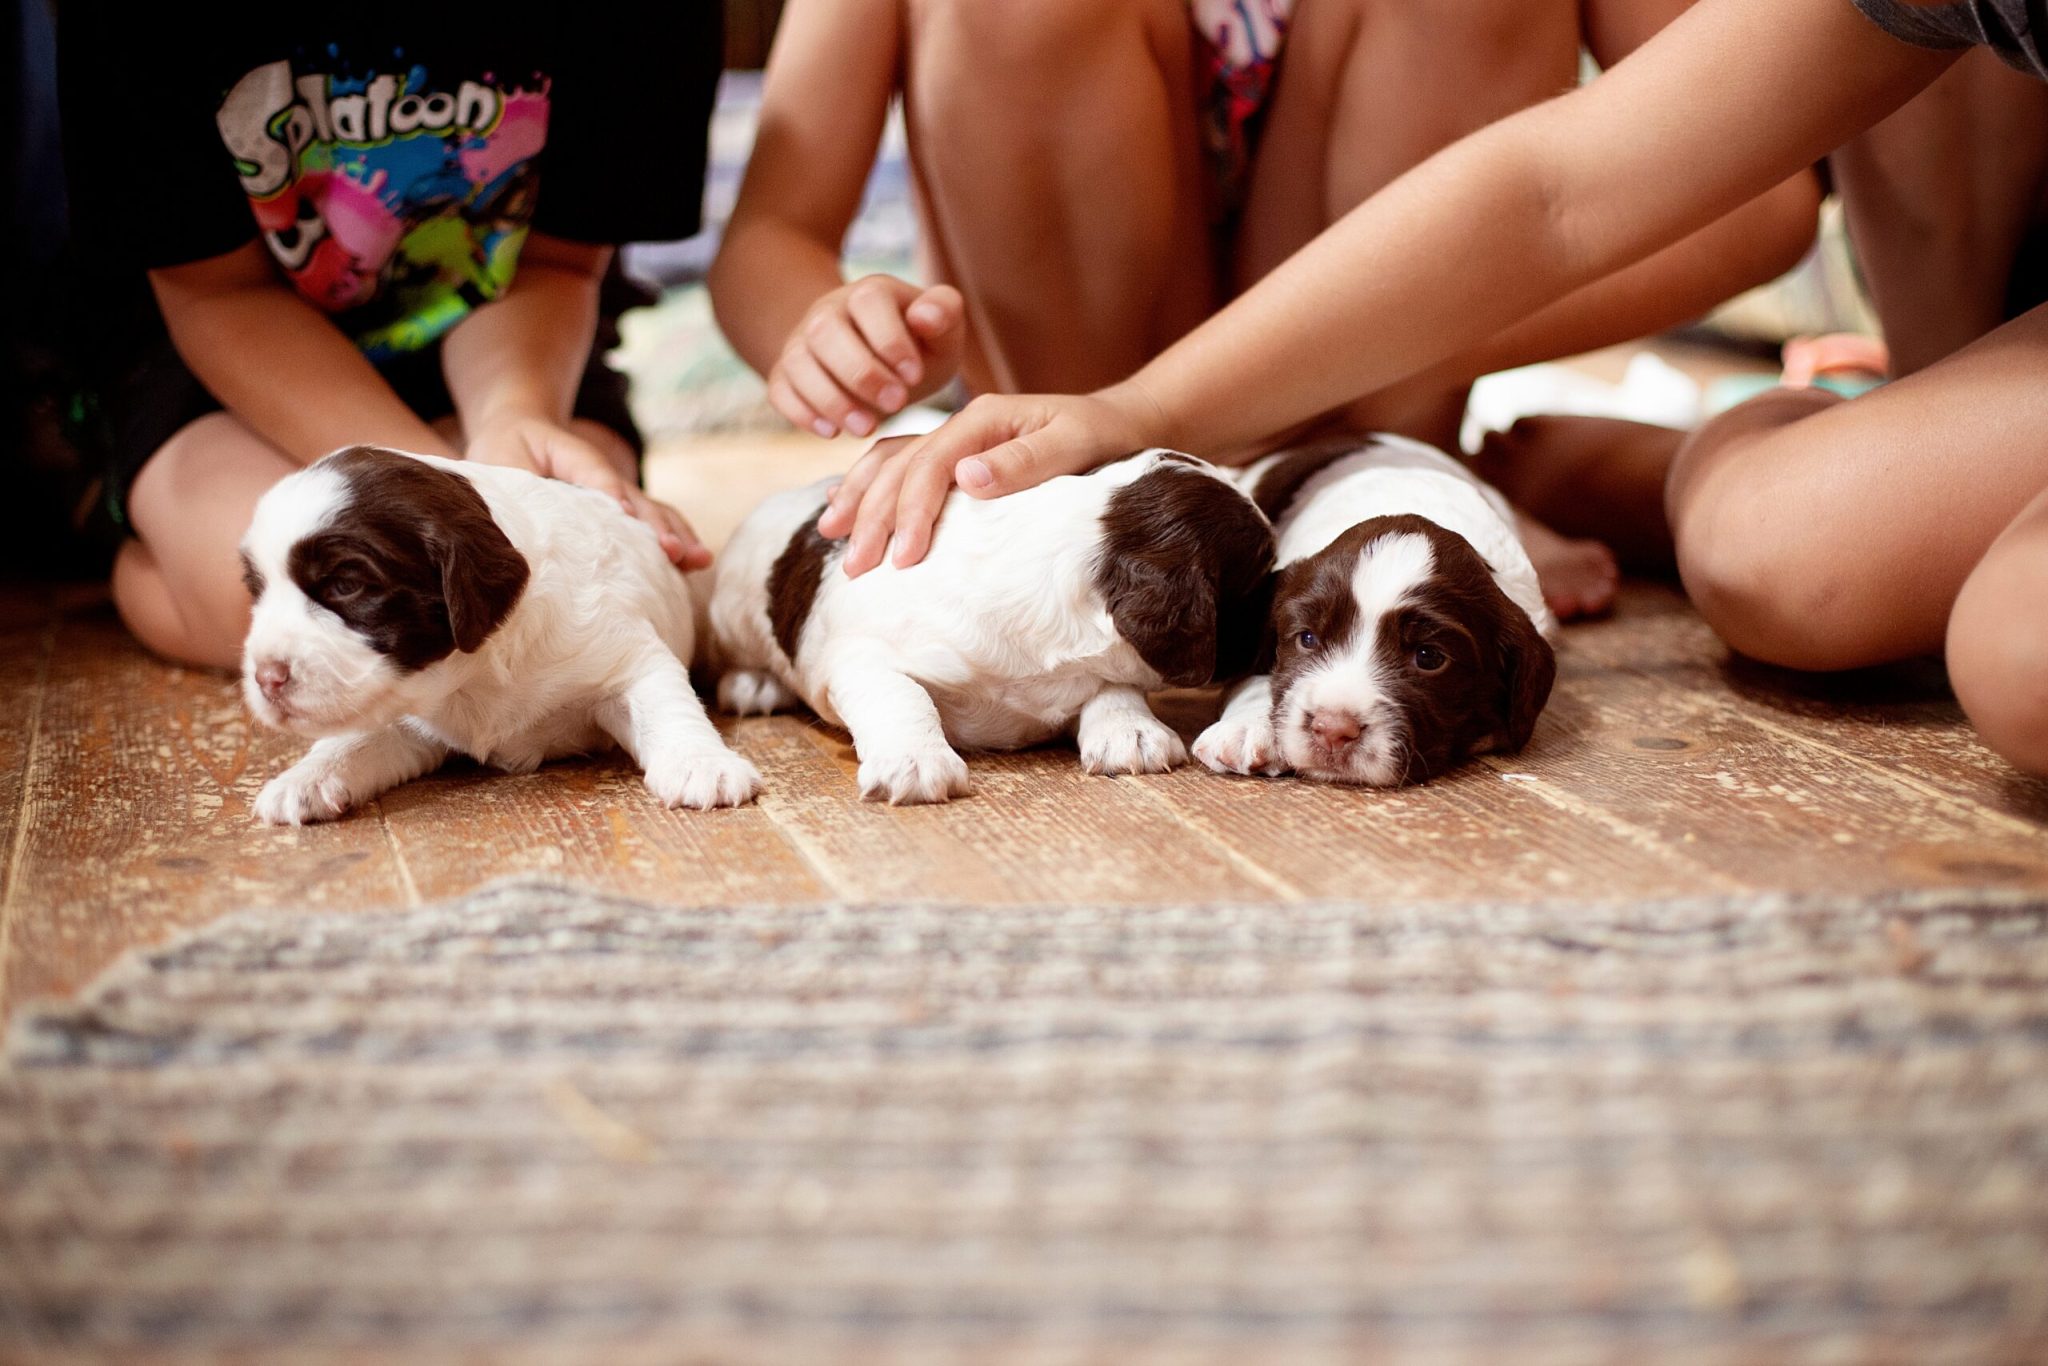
(342, 587)
(1307, 640)
(1429, 658)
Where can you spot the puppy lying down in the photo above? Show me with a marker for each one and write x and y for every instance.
(409, 607)
(1053, 609)
(1408, 625)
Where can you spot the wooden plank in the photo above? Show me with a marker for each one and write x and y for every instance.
(28, 624)
(136, 815)
(592, 822)
(1712, 775)
(1903, 719)
(716, 480)
(1473, 835)
(1036, 828)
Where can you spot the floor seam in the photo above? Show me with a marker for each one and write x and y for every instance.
(1901, 781)
(18, 850)
(1258, 873)
(1647, 840)
(405, 879)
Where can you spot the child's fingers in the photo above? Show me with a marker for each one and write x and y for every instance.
(785, 400)
(936, 312)
(817, 388)
(846, 496)
(678, 537)
(877, 519)
(878, 314)
(858, 370)
(927, 479)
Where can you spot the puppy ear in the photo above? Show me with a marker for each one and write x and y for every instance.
(1530, 667)
(1183, 569)
(482, 576)
(1169, 618)
(1245, 643)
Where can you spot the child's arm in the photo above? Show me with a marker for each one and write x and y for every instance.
(1755, 243)
(837, 356)
(1734, 97)
(279, 363)
(513, 367)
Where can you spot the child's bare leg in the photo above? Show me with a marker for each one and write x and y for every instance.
(1939, 198)
(1823, 534)
(1599, 477)
(1060, 178)
(1998, 642)
(178, 585)
(1367, 89)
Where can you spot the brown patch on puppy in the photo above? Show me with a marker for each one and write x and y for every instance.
(1461, 667)
(1283, 479)
(1184, 570)
(413, 562)
(793, 584)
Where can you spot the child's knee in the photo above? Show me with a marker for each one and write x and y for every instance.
(1998, 653)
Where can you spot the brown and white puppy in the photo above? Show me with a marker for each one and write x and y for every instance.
(1408, 627)
(409, 607)
(1054, 609)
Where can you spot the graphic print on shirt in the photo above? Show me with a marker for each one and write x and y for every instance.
(386, 195)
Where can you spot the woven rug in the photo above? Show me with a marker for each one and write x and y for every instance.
(540, 1125)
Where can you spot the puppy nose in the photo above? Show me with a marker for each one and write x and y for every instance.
(273, 676)
(1335, 730)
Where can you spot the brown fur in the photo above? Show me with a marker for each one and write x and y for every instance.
(1184, 569)
(793, 584)
(414, 562)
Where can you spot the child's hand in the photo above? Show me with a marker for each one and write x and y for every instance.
(866, 350)
(557, 453)
(890, 499)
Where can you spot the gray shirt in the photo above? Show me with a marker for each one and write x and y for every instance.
(2016, 30)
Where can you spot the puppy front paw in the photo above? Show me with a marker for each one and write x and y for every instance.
(1145, 745)
(753, 692)
(927, 775)
(303, 794)
(1241, 744)
(702, 779)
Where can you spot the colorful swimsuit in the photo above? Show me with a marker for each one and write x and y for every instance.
(1241, 49)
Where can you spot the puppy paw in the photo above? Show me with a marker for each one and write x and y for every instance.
(1145, 745)
(1241, 744)
(702, 779)
(302, 795)
(928, 775)
(752, 692)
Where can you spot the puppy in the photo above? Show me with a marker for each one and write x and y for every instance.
(1052, 609)
(409, 607)
(1408, 628)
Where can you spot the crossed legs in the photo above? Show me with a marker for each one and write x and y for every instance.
(1822, 534)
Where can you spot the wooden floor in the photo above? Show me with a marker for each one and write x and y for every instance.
(1661, 768)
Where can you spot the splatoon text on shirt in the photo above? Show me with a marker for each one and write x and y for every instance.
(392, 203)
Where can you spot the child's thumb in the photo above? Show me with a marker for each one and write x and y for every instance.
(935, 312)
(1008, 468)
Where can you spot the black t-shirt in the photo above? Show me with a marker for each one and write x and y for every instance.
(391, 156)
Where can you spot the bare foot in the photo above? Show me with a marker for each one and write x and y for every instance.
(1593, 477)
(1578, 577)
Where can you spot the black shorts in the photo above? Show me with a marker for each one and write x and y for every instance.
(157, 397)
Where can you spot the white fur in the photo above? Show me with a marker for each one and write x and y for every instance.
(1388, 476)
(996, 640)
(593, 653)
